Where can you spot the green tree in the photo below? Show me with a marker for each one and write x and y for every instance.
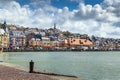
(67, 33)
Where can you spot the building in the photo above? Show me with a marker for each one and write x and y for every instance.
(46, 44)
(17, 39)
(4, 40)
(34, 40)
(55, 44)
(77, 43)
(4, 36)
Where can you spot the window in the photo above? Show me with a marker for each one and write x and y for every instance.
(80, 42)
(4, 39)
(48, 43)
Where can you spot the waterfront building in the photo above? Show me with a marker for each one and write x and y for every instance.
(62, 43)
(77, 43)
(34, 40)
(4, 36)
(46, 43)
(4, 39)
(17, 39)
(55, 44)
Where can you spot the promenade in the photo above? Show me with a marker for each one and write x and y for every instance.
(12, 72)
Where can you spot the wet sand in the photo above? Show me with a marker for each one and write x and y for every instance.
(14, 72)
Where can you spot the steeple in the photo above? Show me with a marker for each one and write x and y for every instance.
(4, 22)
(54, 26)
(4, 26)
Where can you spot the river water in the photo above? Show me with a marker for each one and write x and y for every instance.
(85, 65)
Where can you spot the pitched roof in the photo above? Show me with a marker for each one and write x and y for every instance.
(77, 41)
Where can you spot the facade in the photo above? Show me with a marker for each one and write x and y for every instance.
(4, 40)
(77, 43)
(34, 40)
(46, 42)
(4, 36)
(55, 43)
(17, 39)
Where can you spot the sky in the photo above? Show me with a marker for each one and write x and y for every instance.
(93, 17)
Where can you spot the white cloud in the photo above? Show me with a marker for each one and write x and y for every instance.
(15, 14)
(39, 3)
(100, 19)
(103, 17)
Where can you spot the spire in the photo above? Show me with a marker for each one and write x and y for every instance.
(54, 25)
(4, 26)
(4, 22)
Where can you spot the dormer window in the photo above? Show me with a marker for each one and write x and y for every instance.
(80, 42)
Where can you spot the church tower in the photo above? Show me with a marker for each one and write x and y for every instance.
(4, 26)
(54, 26)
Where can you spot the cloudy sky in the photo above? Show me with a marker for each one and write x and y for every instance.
(92, 17)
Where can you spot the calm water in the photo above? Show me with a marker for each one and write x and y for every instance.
(86, 65)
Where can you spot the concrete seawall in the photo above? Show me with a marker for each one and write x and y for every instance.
(15, 72)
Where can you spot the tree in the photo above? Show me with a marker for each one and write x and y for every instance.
(67, 33)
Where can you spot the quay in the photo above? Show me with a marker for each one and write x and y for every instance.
(14, 72)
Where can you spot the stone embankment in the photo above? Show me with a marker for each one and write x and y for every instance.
(13, 72)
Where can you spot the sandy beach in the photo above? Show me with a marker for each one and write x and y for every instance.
(15, 72)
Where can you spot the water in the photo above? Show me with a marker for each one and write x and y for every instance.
(86, 65)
